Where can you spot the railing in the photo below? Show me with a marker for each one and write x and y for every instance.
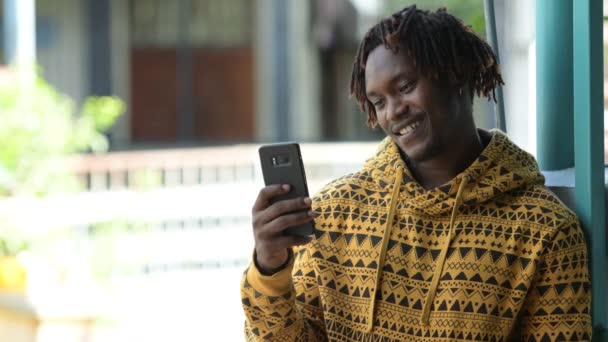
(186, 198)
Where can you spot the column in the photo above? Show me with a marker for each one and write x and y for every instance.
(590, 188)
(20, 36)
(554, 103)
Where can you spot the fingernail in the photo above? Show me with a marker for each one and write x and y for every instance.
(307, 201)
(312, 213)
(285, 187)
(310, 237)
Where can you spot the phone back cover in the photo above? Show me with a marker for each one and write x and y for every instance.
(286, 168)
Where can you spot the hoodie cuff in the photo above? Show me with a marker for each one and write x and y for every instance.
(274, 285)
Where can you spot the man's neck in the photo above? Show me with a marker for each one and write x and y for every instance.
(443, 168)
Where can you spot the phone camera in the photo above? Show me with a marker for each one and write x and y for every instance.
(280, 160)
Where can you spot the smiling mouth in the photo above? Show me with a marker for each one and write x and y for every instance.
(412, 127)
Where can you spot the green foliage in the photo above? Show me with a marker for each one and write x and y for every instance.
(39, 127)
(12, 243)
(471, 12)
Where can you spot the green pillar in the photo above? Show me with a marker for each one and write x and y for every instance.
(554, 104)
(589, 139)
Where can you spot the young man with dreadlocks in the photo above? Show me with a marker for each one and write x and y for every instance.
(446, 234)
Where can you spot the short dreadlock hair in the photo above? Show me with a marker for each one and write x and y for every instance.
(440, 46)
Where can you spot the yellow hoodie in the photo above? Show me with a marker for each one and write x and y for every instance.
(492, 255)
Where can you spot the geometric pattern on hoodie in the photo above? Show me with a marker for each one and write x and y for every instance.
(515, 266)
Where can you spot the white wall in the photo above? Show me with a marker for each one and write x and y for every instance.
(516, 32)
(305, 101)
(64, 56)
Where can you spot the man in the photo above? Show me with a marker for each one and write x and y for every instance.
(446, 234)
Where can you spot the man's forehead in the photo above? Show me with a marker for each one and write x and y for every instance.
(384, 63)
(379, 56)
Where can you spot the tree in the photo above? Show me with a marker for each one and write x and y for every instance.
(40, 127)
(471, 12)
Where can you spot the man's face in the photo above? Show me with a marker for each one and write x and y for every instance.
(423, 117)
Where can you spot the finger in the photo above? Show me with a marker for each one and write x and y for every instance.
(266, 193)
(278, 225)
(284, 207)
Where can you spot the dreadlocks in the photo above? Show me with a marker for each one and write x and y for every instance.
(441, 47)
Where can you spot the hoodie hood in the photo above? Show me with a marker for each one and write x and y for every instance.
(500, 168)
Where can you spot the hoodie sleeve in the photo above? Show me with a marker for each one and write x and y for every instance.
(284, 306)
(558, 304)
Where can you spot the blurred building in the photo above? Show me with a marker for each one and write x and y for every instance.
(206, 71)
(209, 72)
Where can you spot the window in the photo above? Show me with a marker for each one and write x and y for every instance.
(199, 23)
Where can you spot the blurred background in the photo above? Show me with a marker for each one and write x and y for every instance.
(128, 158)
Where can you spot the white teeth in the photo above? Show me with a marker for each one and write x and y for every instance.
(410, 128)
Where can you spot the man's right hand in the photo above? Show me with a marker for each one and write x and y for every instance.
(269, 222)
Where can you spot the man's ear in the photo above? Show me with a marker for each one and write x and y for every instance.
(463, 88)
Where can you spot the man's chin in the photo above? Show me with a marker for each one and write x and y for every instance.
(418, 153)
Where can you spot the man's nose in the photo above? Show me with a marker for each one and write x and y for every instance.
(396, 108)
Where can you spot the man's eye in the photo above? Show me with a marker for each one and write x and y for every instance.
(378, 103)
(404, 88)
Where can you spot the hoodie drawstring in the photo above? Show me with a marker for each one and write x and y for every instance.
(386, 236)
(442, 256)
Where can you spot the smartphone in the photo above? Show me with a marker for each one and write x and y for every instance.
(282, 164)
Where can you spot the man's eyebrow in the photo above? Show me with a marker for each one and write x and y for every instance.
(400, 76)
